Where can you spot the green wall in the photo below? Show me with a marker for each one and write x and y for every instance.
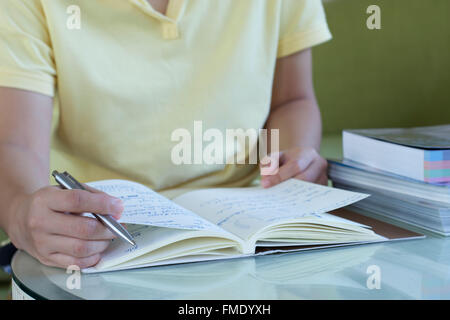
(396, 76)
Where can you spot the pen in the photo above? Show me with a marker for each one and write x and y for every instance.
(66, 181)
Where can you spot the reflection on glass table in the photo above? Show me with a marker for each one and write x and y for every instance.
(417, 269)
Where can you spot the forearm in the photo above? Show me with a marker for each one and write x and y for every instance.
(21, 172)
(294, 112)
(299, 123)
(25, 127)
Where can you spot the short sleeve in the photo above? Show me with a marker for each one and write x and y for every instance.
(302, 25)
(26, 57)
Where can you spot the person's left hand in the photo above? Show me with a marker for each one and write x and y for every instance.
(299, 163)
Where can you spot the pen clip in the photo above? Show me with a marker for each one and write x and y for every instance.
(62, 180)
(66, 180)
(73, 180)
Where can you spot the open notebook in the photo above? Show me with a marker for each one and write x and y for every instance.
(214, 224)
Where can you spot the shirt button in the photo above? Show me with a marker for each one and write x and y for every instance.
(170, 31)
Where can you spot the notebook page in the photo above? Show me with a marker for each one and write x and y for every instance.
(143, 206)
(156, 241)
(245, 211)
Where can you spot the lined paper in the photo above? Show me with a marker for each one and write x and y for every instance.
(245, 211)
(145, 207)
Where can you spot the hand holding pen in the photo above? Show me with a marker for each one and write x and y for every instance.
(40, 225)
(66, 181)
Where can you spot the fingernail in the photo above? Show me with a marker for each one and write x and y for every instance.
(117, 206)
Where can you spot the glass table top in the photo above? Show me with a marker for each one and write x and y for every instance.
(412, 269)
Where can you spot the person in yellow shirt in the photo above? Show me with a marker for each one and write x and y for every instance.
(97, 88)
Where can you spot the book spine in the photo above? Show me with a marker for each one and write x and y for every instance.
(437, 166)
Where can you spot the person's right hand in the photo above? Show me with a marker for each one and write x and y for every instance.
(41, 224)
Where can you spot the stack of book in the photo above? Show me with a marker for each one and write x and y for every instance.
(406, 171)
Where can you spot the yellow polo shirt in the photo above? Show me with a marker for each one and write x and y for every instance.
(125, 77)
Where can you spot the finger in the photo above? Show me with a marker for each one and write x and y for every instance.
(314, 172)
(63, 261)
(291, 165)
(323, 180)
(97, 191)
(79, 227)
(285, 172)
(270, 164)
(306, 158)
(80, 201)
(76, 247)
(290, 169)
